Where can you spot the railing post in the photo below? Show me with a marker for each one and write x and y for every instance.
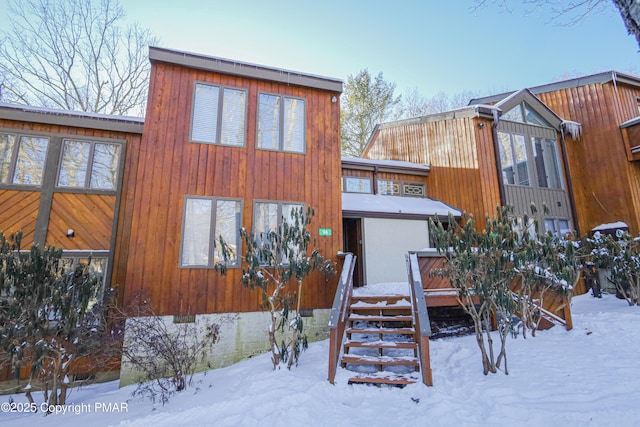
(337, 320)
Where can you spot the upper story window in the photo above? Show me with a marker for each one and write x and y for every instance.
(89, 164)
(547, 163)
(281, 123)
(206, 219)
(219, 115)
(513, 158)
(522, 113)
(354, 184)
(22, 159)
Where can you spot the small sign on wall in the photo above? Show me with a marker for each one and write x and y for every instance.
(325, 232)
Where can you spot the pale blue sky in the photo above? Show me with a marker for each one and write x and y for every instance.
(432, 45)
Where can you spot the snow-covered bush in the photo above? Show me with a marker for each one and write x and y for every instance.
(484, 265)
(272, 262)
(51, 314)
(621, 255)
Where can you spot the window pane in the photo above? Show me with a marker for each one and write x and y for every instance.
(520, 151)
(514, 115)
(547, 165)
(358, 185)
(388, 188)
(533, 117)
(565, 227)
(233, 117)
(7, 143)
(204, 124)
(197, 232)
(75, 158)
(506, 158)
(227, 226)
(550, 226)
(294, 125)
(269, 121)
(30, 164)
(104, 172)
(265, 217)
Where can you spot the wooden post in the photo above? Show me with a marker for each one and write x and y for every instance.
(427, 375)
(567, 313)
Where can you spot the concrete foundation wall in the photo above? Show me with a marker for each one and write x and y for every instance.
(241, 335)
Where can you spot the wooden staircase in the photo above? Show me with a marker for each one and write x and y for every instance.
(380, 345)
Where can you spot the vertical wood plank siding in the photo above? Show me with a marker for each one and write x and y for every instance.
(170, 168)
(606, 185)
(460, 153)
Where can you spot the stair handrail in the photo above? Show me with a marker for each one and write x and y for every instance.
(339, 313)
(421, 317)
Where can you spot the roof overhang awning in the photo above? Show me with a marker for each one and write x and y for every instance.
(379, 206)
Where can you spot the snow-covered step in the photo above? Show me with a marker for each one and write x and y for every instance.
(384, 377)
(378, 318)
(380, 360)
(387, 331)
(381, 344)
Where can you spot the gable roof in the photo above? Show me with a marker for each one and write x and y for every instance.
(525, 95)
(243, 69)
(80, 119)
(604, 77)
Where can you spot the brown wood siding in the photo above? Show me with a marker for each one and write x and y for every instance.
(19, 211)
(26, 216)
(460, 153)
(89, 215)
(170, 168)
(606, 185)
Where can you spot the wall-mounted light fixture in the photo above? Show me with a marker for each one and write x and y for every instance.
(334, 99)
(481, 125)
(71, 233)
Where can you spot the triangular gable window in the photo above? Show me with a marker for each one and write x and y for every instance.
(523, 113)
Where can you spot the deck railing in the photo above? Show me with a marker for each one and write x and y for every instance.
(339, 313)
(422, 325)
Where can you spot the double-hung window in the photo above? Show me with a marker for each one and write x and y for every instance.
(89, 164)
(206, 219)
(513, 158)
(281, 123)
(219, 115)
(22, 159)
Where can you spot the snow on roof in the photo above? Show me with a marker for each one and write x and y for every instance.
(60, 112)
(388, 163)
(375, 203)
(610, 226)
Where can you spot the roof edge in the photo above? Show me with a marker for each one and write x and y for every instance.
(79, 119)
(243, 69)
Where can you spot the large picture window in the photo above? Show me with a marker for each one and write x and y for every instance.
(206, 219)
(88, 164)
(22, 159)
(269, 216)
(281, 123)
(219, 115)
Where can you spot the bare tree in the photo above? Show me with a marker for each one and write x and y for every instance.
(74, 55)
(574, 11)
(413, 104)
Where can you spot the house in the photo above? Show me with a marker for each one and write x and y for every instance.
(227, 145)
(385, 214)
(603, 163)
(482, 156)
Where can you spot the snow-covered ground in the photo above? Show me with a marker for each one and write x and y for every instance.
(587, 376)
